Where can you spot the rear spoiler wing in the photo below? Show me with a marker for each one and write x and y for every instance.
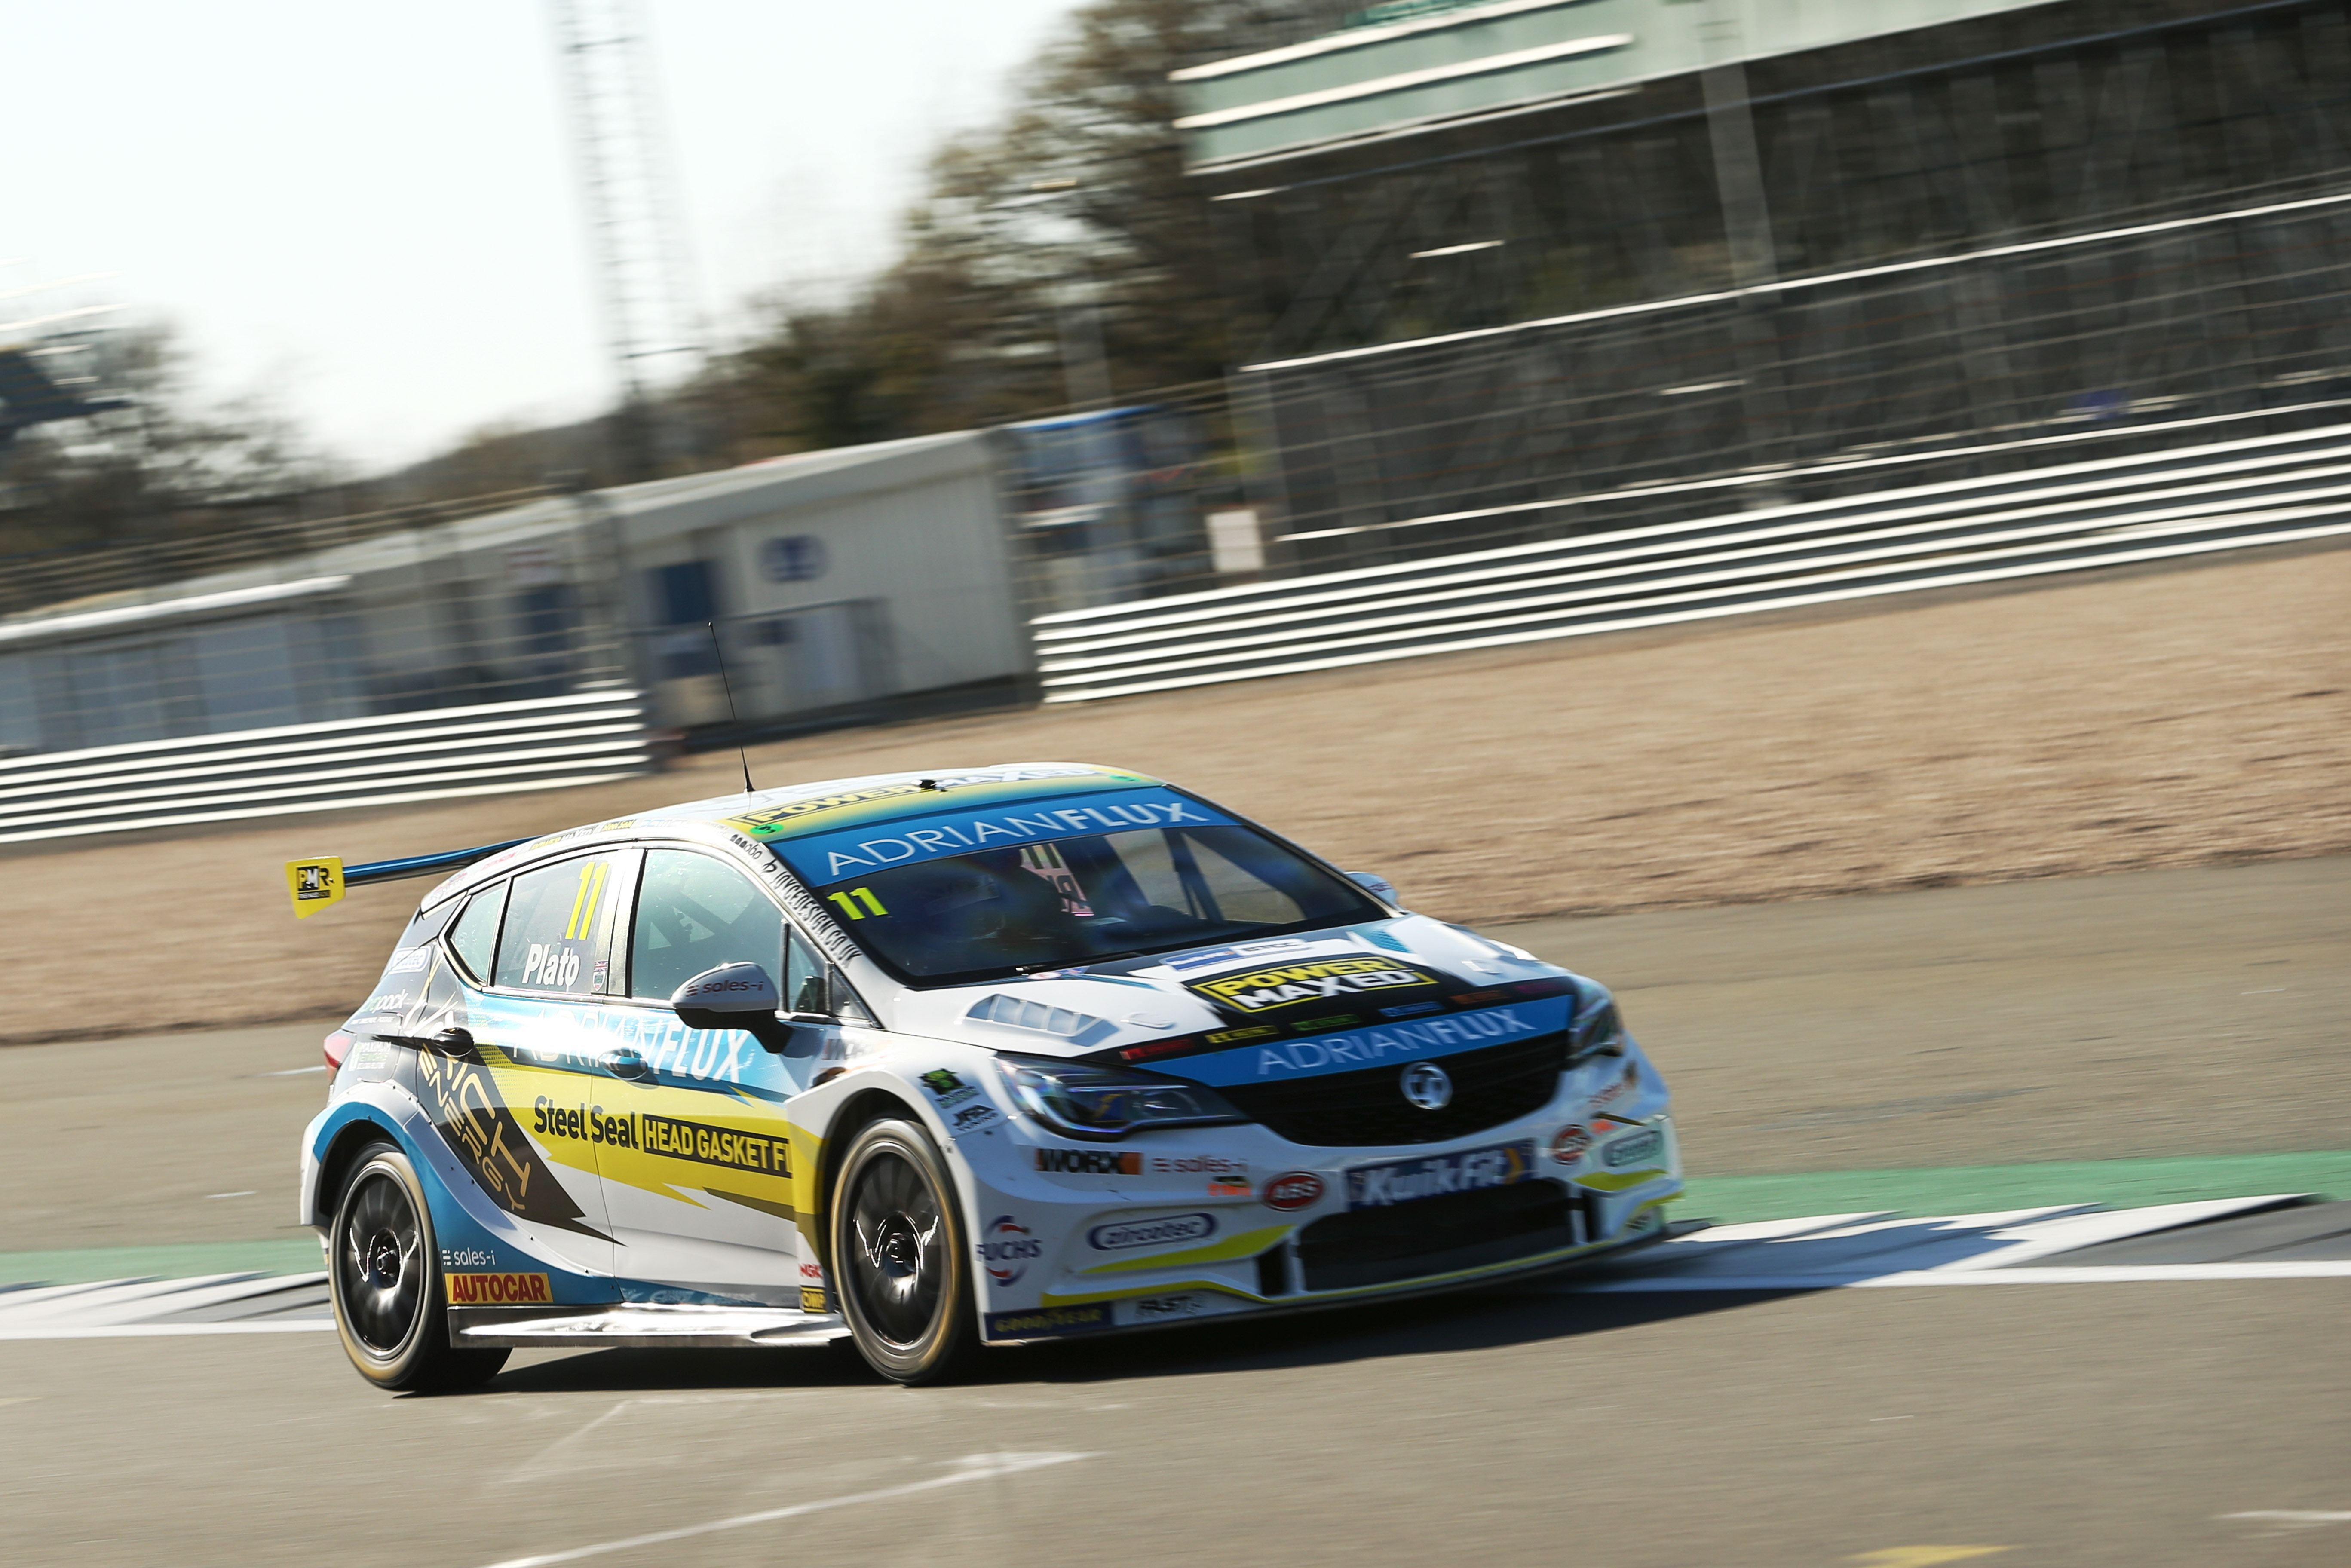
(320, 881)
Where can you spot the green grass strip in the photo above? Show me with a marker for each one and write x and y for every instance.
(80, 1265)
(1726, 1200)
(1978, 1189)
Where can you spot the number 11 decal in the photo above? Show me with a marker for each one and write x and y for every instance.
(848, 902)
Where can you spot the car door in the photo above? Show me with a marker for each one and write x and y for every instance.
(700, 1182)
(508, 1066)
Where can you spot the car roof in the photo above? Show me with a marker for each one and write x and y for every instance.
(822, 805)
(880, 798)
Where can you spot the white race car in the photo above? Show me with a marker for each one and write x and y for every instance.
(944, 1061)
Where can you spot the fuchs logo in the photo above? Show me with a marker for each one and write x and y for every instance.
(1091, 1162)
(1294, 1189)
(1008, 1249)
(1165, 1231)
(1569, 1146)
(1634, 1149)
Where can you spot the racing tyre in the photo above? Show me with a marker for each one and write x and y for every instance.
(384, 1273)
(900, 1265)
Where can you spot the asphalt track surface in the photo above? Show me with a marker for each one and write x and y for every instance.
(2141, 1421)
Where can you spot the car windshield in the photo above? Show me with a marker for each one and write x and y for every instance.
(1061, 902)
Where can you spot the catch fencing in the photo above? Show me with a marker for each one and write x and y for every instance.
(2113, 511)
(488, 748)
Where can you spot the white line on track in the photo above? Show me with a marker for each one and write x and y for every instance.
(172, 1331)
(973, 1468)
(2108, 1274)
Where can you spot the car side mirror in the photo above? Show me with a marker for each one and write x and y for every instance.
(1376, 885)
(734, 996)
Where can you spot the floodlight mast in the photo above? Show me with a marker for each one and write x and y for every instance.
(653, 326)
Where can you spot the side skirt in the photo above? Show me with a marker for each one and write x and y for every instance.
(643, 1325)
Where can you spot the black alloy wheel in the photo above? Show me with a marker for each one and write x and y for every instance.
(900, 1265)
(385, 1278)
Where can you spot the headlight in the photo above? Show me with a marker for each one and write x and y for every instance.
(1080, 1100)
(1599, 1032)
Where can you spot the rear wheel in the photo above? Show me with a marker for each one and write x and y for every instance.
(384, 1274)
(899, 1264)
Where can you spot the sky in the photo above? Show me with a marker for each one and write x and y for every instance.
(369, 217)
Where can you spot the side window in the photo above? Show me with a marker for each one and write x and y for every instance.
(476, 931)
(557, 921)
(427, 923)
(814, 985)
(694, 914)
(805, 990)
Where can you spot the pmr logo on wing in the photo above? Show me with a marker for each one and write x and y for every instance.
(498, 1290)
(1318, 982)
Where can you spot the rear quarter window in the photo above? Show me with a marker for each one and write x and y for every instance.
(557, 918)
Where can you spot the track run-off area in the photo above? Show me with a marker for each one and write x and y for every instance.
(2125, 1091)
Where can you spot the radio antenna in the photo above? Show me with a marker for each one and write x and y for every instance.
(728, 687)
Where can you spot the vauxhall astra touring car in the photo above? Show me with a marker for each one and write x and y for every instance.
(941, 1062)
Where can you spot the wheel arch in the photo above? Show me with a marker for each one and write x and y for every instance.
(856, 1114)
(341, 1158)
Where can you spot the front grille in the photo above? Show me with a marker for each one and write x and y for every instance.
(1367, 1109)
(1435, 1235)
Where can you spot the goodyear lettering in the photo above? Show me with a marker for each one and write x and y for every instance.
(1327, 978)
(1369, 1048)
(1047, 1321)
(498, 1290)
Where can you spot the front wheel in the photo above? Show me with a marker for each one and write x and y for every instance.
(385, 1277)
(899, 1262)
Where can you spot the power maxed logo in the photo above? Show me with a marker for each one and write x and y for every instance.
(1007, 1248)
(1323, 979)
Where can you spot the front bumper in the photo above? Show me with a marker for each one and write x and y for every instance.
(1066, 1252)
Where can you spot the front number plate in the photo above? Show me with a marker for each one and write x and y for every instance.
(1433, 1176)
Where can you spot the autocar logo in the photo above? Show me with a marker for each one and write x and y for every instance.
(1294, 1189)
(1427, 1085)
(1626, 1151)
(1008, 1249)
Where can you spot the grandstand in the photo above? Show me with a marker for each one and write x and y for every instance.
(1530, 269)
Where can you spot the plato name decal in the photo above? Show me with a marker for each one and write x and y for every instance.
(498, 1290)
